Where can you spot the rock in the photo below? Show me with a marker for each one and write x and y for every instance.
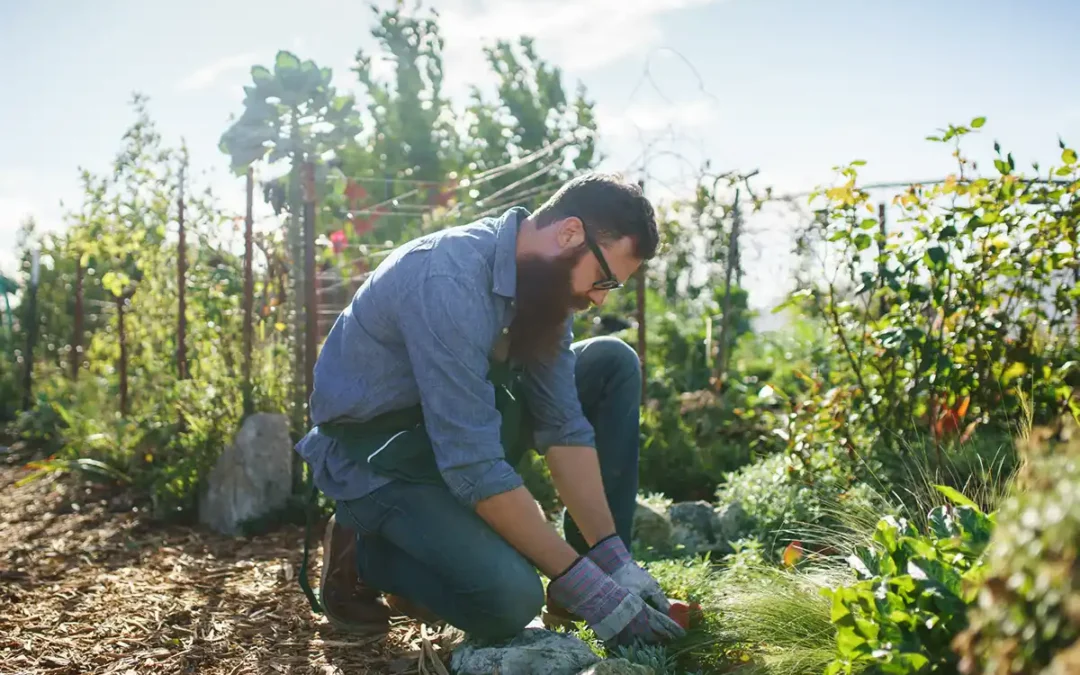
(731, 519)
(651, 527)
(617, 667)
(700, 528)
(534, 651)
(252, 477)
(694, 526)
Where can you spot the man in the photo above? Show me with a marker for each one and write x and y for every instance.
(453, 357)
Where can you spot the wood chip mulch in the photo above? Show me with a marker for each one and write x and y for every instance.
(89, 585)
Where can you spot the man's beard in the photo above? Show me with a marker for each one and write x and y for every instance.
(545, 301)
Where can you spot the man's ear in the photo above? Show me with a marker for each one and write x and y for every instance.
(570, 233)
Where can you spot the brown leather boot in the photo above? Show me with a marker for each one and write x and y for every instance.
(349, 604)
(400, 606)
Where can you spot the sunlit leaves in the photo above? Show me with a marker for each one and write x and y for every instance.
(957, 255)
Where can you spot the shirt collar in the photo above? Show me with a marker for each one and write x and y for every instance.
(504, 280)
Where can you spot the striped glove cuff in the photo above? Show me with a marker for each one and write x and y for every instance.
(587, 591)
(610, 554)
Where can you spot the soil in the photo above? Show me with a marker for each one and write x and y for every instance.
(89, 584)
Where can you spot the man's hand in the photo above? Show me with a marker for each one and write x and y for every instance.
(612, 557)
(576, 474)
(575, 471)
(616, 615)
(514, 515)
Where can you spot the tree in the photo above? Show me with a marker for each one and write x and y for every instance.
(412, 150)
(533, 112)
(292, 114)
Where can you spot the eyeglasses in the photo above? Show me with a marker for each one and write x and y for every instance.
(609, 283)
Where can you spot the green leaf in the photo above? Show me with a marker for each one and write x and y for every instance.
(955, 496)
(261, 75)
(839, 610)
(286, 61)
(978, 122)
(848, 643)
(941, 523)
(1068, 155)
(863, 241)
(947, 232)
(937, 255)
(916, 661)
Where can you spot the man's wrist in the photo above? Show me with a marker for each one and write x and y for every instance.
(610, 553)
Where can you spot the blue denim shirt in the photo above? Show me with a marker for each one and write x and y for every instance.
(421, 329)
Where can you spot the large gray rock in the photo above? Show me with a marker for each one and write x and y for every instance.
(731, 519)
(694, 525)
(701, 528)
(617, 667)
(252, 477)
(534, 651)
(652, 527)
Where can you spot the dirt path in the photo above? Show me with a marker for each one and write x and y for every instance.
(88, 586)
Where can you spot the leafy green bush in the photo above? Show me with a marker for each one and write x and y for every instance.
(948, 318)
(912, 592)
(982, 468)
(1027, 619)
(812, 500)
(693, 437)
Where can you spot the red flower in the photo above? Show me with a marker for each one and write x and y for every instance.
(339, 240)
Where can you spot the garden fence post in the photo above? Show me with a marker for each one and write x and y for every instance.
(641, 318)
(249, 291)
(311, 309)
(725, 326)
(77, 331)
(181, 283)
(31, 327)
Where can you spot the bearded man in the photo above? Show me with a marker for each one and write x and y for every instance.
(453, 358)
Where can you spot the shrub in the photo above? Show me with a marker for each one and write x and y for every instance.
(969, 302)
(1027, 619)
(912, 592)
(788, 498)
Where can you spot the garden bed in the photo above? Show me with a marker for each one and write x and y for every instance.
(89, 585)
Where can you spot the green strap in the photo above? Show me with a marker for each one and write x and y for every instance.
(304, 584)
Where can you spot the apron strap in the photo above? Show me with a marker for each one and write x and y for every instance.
(304, 584)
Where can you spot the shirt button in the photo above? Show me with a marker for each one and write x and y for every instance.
(506, 331)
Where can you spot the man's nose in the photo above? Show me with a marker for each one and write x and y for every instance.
(598, 297)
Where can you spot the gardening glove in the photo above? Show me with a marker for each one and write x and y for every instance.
(611, 556)
(616, 615)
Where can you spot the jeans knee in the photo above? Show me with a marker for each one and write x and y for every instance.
(621, 360)
(510, 603)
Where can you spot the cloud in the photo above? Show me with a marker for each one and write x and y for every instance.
(650, 118)
(207, 75)
(579, 36)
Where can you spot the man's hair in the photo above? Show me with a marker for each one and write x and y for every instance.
(610, 209)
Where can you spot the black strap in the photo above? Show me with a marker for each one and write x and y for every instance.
(304, 584)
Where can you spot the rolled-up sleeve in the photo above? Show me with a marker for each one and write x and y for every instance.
(553, 401)
(445, 333)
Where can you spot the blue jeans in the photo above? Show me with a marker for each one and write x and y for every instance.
(418, 542)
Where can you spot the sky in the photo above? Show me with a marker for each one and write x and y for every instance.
(791, 88)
